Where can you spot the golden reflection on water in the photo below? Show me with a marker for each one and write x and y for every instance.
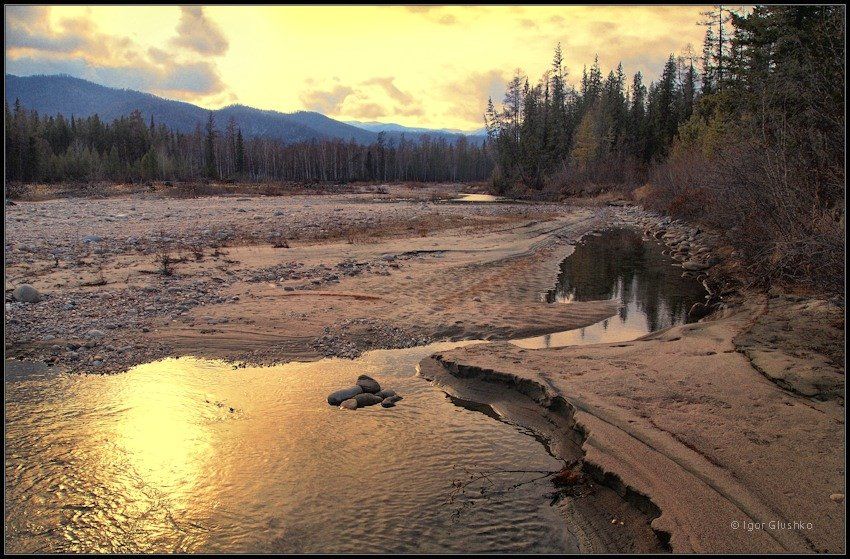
(162, 433)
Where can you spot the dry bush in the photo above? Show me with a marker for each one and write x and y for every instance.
(767, 202)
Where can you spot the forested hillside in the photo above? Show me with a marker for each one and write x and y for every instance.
(748, 136)
(55, 148)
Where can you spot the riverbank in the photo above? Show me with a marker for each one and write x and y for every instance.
(733, 461)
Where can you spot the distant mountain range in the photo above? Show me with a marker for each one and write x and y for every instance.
(66, 95)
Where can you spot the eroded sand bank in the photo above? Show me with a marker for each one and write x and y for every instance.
(733, 461)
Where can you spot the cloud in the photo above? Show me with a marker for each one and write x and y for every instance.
(75, 46)
(328, 102)
(469, 94)
(435, 14)
(362, 100)
(388, 85)
(197, 33)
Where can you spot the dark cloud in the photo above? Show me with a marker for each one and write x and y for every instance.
(197, 33)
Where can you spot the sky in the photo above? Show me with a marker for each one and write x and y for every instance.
(428, 66)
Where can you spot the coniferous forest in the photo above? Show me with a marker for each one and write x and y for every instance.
(48, 148)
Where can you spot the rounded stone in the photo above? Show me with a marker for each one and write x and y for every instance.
(25, 293)
(386, 393)
(367, 399)
(350, 404)
(368, 384)
(338, 397)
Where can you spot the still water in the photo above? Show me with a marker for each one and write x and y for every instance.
(188, 455)
(477, 198)
(155, 460)
(619, 264)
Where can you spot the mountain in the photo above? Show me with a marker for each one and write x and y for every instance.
(398, 128)
(74, 96)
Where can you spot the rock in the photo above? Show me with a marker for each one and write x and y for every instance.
(350, 404)
(698, 311)
(338, 397)
(368, 384)
(25, 293)
(95, 334)
(92, 239)
(367, 399)
(837, 497)
(694, 266)
(386, 393)
(390, 401)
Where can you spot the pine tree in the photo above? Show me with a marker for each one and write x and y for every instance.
(209, 150)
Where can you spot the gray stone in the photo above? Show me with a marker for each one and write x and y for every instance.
(368, 384)
(390, 401)
(25, 293)
(350, 404)
(340, 396)
(92, 239)
(95, 334)
(367, 399)
(386, 393)
(694, 266)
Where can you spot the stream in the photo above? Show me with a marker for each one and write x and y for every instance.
(189, 455)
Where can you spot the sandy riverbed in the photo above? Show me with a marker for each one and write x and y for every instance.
(737, 418)
(424, 271)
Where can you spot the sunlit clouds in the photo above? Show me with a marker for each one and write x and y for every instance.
(418, 65)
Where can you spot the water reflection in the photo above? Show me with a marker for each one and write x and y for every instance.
(154, 460)
(477, 198)
(618, 264)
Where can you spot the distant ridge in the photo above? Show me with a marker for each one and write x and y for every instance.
(67, 95)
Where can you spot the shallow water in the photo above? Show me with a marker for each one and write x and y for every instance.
(155, 460)
(190, 455)
(619, 264)
(477, 198)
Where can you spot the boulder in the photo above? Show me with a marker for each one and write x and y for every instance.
(386, 393)
(368, 384)
(350, 404)
(367, 399)
(338, 397)
(25, 293)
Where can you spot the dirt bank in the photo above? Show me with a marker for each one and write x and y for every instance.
(734, 461)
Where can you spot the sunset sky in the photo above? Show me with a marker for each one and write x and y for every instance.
(415, 65)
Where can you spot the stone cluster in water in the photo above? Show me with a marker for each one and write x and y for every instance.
(366, 392)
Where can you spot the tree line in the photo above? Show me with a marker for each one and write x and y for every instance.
(55, 148)
(747, 137)
(608, 129)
